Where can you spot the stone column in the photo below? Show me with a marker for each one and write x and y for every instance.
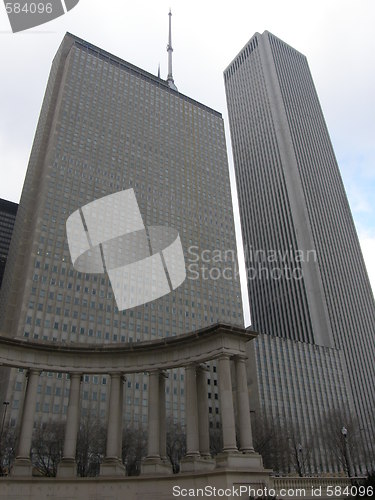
(162, 423)
(153, 463)
(226, 405)
(22, 465)
(196, 423)
(112, 463)
(120, 416)
(203, 423)
(243, 407)
(67, 466)
(191, 409)
(153, 450)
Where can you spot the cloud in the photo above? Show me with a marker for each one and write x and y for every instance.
(368, 250)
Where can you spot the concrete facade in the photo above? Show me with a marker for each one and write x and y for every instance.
(224, 343)
(138, 488)
(107, 126)
(310, 295)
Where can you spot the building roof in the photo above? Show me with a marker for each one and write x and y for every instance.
(98, 52)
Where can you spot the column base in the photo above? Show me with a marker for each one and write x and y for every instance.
(239, 461)
(22, 467)
(112, 467)
(67, 468)
(155, 466)
(197, 464)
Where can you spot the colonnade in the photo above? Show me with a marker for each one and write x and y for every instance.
(198, 455)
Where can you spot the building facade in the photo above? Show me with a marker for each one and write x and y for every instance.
(309, 292)
(8, 212)
(107, 126)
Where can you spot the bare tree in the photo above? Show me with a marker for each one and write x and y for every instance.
(176, 444)
(283, 446)
(341, 435)
(134, 448)
(300, 448)
(90, 446)
(7, 450)
(263, 435)
(271, 441)
(47, 448)
(216, 440)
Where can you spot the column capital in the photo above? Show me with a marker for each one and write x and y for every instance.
(119, 375)
(33, 371)
(241, 358)
(224, 356)
(191, 366)
(75, 375)
(155, 371)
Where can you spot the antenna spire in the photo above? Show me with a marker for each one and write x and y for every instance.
(170, 50)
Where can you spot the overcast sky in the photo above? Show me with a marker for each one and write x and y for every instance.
(337, 36)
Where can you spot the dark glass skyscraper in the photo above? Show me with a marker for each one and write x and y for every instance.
(309, 292)
(107, 126)
(8, 212)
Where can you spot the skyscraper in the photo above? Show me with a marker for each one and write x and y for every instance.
(8, 212)
(107, 126)
(309, 292)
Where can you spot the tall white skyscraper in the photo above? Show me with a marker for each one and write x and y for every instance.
(309, 292)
